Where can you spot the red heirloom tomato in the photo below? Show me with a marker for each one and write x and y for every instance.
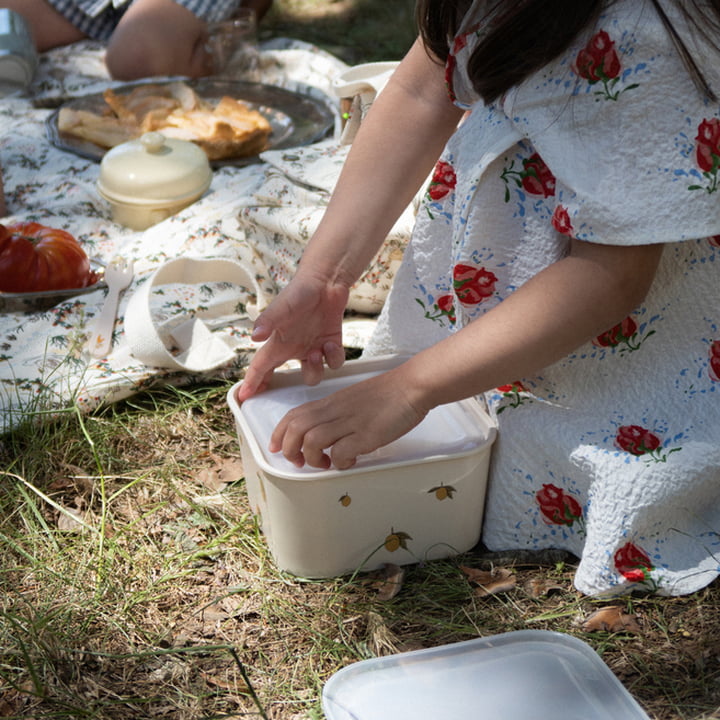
(34, 257)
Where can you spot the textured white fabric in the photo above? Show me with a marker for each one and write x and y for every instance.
(613, 453)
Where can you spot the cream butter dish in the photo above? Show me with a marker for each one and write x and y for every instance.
(151, 178)
(419, 498)
(519, 675)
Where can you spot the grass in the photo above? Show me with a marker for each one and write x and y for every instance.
(165, 602)
(354, 30)
(135, 581)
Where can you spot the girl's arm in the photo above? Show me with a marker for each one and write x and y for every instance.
(562, 307)
(395, 149)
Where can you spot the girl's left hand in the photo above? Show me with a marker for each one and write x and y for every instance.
(351, 422)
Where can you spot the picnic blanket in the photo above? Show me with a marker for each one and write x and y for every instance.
(258, 216)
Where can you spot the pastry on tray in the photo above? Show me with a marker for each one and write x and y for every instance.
(228, 129)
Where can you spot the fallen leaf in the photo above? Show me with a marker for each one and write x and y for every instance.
(223, 472)
(611, 619)
(490, 582)
(538, 587)
(209, 478)
(234, 686)
(388, 582)
(71, 520)
(230, 470)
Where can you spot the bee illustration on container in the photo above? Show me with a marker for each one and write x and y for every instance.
(443, 491)
(396, 540)
(345, 500)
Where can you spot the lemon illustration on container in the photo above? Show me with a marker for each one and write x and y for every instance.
(345, 500)
(396, 540)
(443, 491)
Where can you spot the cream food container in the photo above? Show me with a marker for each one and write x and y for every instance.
(18, 57)
(419, 498)
(151, 178)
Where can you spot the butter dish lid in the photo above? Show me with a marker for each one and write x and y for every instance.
(451, 430)
(154, 168)
(536, 674)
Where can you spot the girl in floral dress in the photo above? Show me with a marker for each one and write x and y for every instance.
(565, 264)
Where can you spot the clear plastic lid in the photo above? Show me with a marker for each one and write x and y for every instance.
(519, 675)
(448, 430)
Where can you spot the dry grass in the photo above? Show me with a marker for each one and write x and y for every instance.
(135, 582)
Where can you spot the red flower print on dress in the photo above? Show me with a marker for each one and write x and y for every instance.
(443, 180)
(622, 331)
(715, 361)
(707, 144)
(535, 178)
(707, 153)
(443, 308)
(557, 506)
(450, 65)
(633, 563)
(561, 221)
(512, 393)
(639, 441)
(473, 284)
(598, 62)
(636, 439)
(517, 386)
(714, 240)
(622, 335)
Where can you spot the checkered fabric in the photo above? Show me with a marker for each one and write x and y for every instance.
(98, 18)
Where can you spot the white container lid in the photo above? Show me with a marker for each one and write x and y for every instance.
(519, 675)
(449, 430)
(154, 169)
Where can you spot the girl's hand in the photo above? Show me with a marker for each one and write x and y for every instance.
(304, 322)
(351, 422)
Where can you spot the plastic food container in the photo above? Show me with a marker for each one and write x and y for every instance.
(519, 675)
(151, 178)
(18, 57)
(419, 498)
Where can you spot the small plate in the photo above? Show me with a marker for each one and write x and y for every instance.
(518, 675)
(298, 117)
(45, 299)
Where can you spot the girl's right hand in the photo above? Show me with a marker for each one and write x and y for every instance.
(304, 323)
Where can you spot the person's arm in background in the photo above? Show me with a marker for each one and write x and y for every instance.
(161, 37)
(157, 37)
(395, 149)
(154, 37)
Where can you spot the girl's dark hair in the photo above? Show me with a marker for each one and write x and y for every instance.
(521, 36)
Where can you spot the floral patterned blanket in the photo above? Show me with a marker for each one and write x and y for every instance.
(259, 215)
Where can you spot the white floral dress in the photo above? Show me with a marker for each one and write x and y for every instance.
(612, 453)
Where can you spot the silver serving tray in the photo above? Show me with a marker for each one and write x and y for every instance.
(298, 117)
(44, 300)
